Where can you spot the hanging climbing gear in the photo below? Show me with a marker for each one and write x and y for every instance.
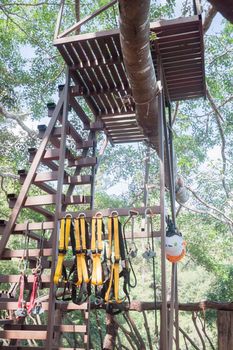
(35, 308)
(80, 287)
(21, 307)
(23, 265)
(132, 247)
(132, 253)
(115, 255)
(174, 243)
(64, 236)
(80, 230)
(149, 253)
(97, 231)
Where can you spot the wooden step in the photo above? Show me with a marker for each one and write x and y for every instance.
(23, 174)
(53, 176)
(34, 226)
(47, 159)
(18, 230)
(18, 253)
(70, 130)
(85, 144)
(45, 280)
(52, 199)
(36, 207)
(53, 154)
(20, 334)
(83, 162)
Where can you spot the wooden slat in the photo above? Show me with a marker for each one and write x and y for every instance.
(46, 225)
(64, 328)
(18, 253)
(51, 199)
(53, 154)
(83, 162)
(19, 334)
(13, 305)
(108, 211)
(53, 176)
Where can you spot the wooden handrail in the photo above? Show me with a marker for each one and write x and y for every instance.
(84, 20)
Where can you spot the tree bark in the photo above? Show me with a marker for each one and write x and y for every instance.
(111, 332)
(135, 44)
(225, 326)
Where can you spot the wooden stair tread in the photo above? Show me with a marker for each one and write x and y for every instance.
(20, 334)
(32, 252)
(52, 199)
(85, 144)
(83, 162)
(68, 179)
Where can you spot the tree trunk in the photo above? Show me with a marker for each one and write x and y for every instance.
(111, 332)
(225, 326)
(135, 44)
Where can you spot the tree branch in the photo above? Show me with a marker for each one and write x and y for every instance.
(208, 205)
(198, 211)
(194, 318)
(219, 119)
(9, 115)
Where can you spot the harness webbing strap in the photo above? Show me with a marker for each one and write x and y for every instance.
(96, 249)
(113, 227)
(63, 246)
(21, 290)
(33, 295)
(81, 249)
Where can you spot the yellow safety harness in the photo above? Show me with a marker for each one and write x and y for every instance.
(80, 230)
(64, 236)
(96, 249)
(114, 256)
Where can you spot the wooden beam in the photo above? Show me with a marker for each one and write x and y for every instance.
(86, 19)
(121, 211)
(18, 253)
(31, 173)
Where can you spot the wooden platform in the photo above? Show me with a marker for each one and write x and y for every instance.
(99, 74)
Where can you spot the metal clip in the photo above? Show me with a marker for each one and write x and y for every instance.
(21, 312)
(133, 250)
(149, 253)
(37, 310)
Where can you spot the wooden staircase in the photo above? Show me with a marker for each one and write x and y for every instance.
(59, 179)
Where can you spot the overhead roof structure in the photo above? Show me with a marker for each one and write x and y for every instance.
(99, 75)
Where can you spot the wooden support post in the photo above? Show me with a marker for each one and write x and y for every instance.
(163, 323)
(225, 326)
(51, 313)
